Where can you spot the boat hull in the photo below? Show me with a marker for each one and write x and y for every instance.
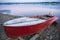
(14, 32)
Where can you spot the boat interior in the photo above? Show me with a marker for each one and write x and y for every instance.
(24, 21)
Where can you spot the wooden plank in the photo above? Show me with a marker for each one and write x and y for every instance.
(34, 37)
(20, 38)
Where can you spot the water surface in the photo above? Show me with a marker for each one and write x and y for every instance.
(31, 9)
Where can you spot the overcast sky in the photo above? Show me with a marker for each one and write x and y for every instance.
(29, 1)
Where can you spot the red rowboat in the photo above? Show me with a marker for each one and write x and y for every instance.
(26, 26)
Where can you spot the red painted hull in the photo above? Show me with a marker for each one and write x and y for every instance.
(14, 32)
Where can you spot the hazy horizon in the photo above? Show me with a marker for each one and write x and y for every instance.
(19, 1)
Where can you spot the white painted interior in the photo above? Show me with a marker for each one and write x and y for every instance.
(24, 21)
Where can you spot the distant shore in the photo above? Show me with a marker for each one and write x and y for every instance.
(31, 3)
